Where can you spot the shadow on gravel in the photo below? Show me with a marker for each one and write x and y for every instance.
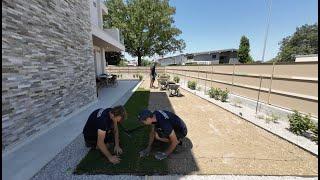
(182, 160)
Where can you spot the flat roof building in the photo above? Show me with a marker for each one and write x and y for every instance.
(225, 56)
(306, 58)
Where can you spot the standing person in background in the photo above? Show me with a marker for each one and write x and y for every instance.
(153, 74)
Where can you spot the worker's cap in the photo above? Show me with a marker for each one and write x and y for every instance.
(144, 114)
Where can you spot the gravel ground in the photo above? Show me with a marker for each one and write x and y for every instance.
(228, 177)
(218, 143)
(280, 128)
(62, 166)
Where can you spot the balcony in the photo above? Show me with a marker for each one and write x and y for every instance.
(104, 36)
(116, 34)
(111, 38)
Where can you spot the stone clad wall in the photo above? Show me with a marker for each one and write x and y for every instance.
(47, 64)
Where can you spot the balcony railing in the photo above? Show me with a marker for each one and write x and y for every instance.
(121, 37)
(115, 34)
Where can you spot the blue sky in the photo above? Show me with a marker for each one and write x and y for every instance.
(218, 24)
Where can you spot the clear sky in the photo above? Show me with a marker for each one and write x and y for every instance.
(218, 24)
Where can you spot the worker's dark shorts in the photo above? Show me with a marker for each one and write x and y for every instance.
(92, 141)
(153, 77)
(179, 133)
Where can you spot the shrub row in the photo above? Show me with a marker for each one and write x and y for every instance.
(300, 124)
(192, 85)
(176, 79)
(218, 94)
(138, 76)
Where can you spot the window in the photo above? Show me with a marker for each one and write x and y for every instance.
(94, 4)
(190, 56)
(214, 56)
(223, 60)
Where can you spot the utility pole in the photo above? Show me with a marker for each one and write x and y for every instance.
(267, 30)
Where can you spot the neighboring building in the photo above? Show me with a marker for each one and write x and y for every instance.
(306, 58)
(133, 63)
(226, 56)
(179, 60)
(51, 54)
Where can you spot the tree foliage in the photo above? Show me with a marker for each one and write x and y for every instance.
(122, 63)
(303, 41)
(113, 58)
(244, 50)
(147, 26)
(145, 62)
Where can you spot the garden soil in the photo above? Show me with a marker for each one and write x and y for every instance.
(219, 142)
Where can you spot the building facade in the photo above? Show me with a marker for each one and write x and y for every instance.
(50, 58)
(226, 56)
(178, 60)
(306, 58)
(104, 39)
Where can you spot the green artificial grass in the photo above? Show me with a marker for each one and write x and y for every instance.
(96, 163)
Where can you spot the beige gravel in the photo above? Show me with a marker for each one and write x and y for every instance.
(219, 142)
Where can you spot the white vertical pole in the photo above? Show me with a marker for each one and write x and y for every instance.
(267, 31)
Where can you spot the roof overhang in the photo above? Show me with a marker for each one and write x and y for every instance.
(102, 38)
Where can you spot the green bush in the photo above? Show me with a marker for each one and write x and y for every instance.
(192, 85)
(176, 79)
(299, 123)
(210, 92)
(314, 130)
(224, 95)
(272, 117)
(164, 76)
(214, 93)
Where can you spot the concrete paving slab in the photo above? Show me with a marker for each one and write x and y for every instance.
(23, 162)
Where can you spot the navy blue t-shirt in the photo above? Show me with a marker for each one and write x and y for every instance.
(168, 121)
(98, 119)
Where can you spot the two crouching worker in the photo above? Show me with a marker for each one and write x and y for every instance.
(101, 130)
(166, 127)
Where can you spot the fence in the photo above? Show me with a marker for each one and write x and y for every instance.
(289, 86)
(130, 72)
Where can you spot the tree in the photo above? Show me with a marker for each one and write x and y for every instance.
(303, 41)
(123, 62)
(244, 50)
(145, 62)
(146, 25)
(113, 58)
